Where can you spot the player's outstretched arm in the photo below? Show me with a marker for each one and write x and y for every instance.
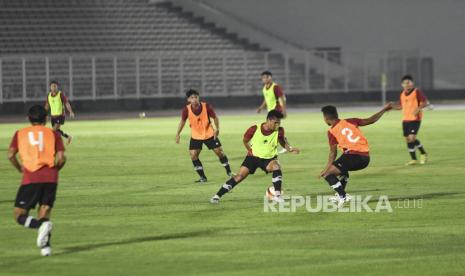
(396, 106)
(60, 160)
(14, 161)
(178, 132)
(375, 117)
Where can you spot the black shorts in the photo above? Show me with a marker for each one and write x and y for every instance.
(411, 127)
(253, 162)
(60, 120)
(351, 162)
(211, 143)
(29, 195)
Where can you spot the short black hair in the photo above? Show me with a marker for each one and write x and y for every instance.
(191, 92)
(407, 77)
(274, 114)
(330, 111)
(266, 73)
(53, 82)
(37, 114)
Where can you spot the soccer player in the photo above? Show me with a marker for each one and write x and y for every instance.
(56, 103)
(412, 101)
(346, 134)
(199, 115)
(41, 151)
(273, 96)
(261, 142)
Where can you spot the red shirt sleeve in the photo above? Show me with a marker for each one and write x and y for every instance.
(14, 141)
(249, 133)
(354, 121)
(331, 139)
(421, 98)
(278, 92)
(59, 146)
(210, 111)
(64, 99)
(184, 113)
(281, 137)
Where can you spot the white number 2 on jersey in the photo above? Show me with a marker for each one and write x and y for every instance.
(39, 142)
(347, 132)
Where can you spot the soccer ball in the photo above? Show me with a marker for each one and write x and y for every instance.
(270, 193)
(142, 115)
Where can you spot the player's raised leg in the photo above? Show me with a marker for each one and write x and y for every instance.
(230, 184)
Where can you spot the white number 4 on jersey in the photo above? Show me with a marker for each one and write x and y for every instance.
(39, 142)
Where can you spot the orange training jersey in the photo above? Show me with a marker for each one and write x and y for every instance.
(349, 137)
(200, 124)
(36, 146)
(409, 103)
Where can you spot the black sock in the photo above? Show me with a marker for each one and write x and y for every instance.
(199, 168)
(420, 147)
(334, 182)
(224, 161)
(63, 134)
(344, 179)
(226, 187)
(411, 150)
(30, 222)
(277, 181)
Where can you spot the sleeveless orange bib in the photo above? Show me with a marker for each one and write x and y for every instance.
(409, 104)
(200, 124)
(36, 146)
(349, 137)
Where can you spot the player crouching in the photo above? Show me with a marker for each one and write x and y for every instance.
(354, 145)
(261, 142)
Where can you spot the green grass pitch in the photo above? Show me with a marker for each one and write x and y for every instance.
(127, 205)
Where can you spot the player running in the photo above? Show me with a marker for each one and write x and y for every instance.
(41, 151)
(202, 132)
(261, 142)
(56, 103)
(346, 134)
(273, 96)
(412, 101)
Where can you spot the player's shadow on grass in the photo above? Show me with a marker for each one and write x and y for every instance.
(93, 246)
(422, 196)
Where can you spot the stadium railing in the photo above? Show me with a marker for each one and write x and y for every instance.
(215, 73)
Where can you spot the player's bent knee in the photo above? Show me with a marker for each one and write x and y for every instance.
(273, 167)
(334, 170)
